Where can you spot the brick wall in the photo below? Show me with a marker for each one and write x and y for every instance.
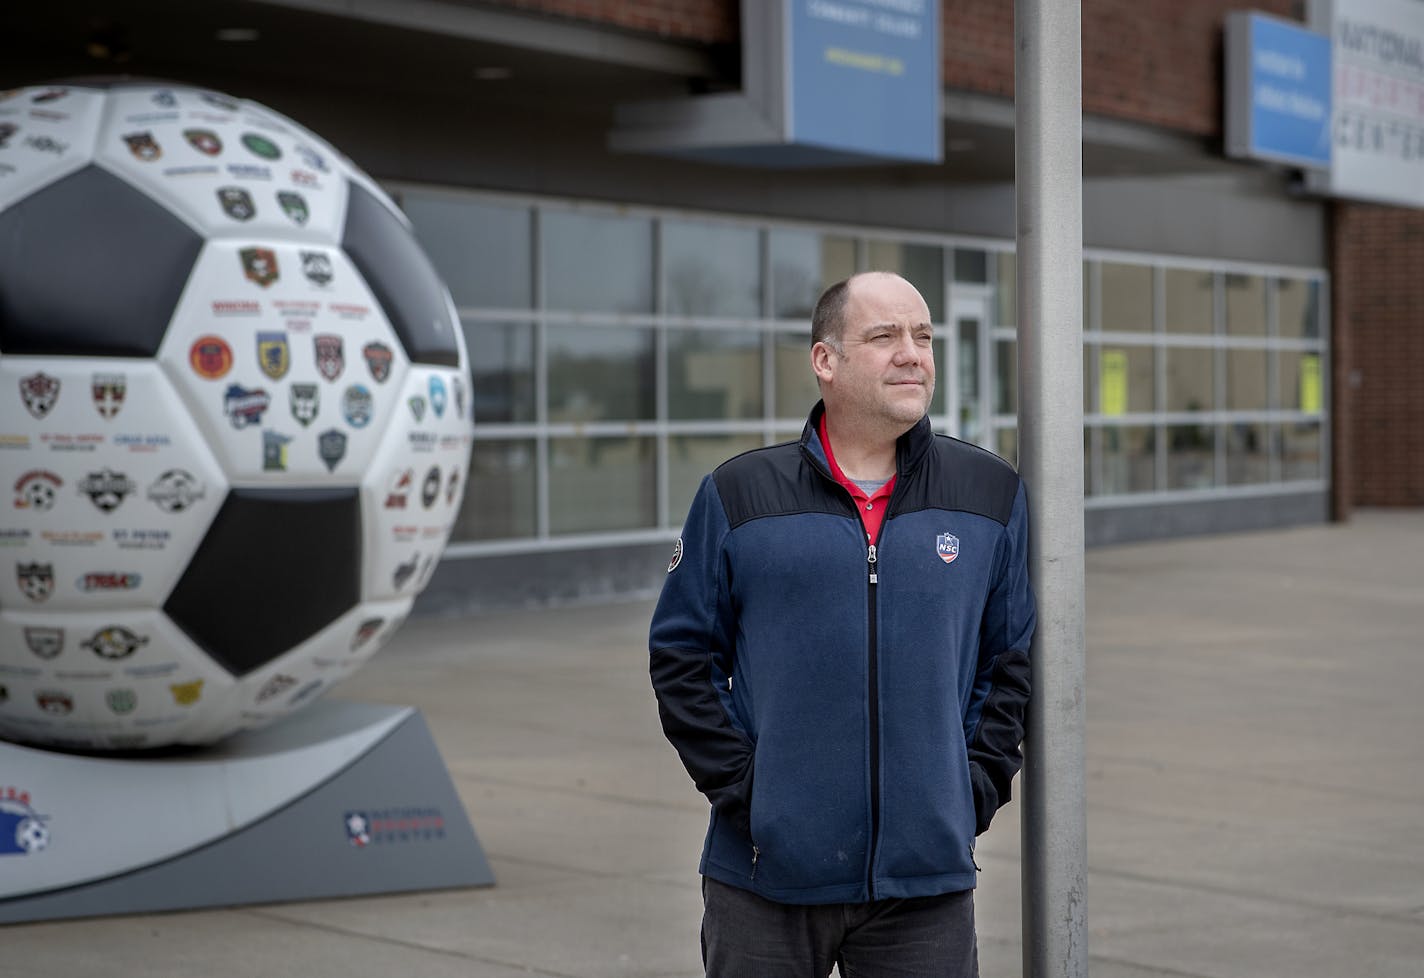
(1378, 308)
(707, 21)
(1153, 61)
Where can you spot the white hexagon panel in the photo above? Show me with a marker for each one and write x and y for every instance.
(234, 419)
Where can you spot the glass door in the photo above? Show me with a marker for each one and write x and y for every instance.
(970, 316)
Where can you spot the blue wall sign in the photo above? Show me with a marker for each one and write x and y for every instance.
(1281, 91)
(864, 77)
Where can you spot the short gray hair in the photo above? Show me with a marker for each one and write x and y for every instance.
(828, 319)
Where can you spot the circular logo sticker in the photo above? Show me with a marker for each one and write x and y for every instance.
(210, 357)
(676, 555)
(261, 146)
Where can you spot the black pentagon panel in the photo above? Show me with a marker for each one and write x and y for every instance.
(402, 278)
(89, 266)
(276, 567)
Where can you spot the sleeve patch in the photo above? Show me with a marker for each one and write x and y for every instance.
(676, 556)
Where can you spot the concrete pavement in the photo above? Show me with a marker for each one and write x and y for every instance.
(1255, 789)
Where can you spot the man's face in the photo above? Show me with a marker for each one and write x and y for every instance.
(886, 373)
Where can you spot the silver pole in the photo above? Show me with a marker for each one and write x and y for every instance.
(1049, 178)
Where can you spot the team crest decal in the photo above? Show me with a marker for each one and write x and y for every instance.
(219, 101)
(259, 265)
(107, 488)
(404, 572)
(306, 400)
(37, 490)
(55, 702)
(210, 357)
(294, 205)
(947, 546)
(274, 451)
(312, 158)
(332, 447)
(39, 392)
(121, 701)
(204, 141)
(430, 488)
(365, 632)
(176, 490)
(243, 406)
(143, 146)
(114, 642)
(379, 358)
(236, 203)
(437, 396)
(261, 146)
(186, 694)
(22, 830)
(330, 359)
(275, 686)
(274, 356)
(417, 408)
(357, 405)
(401, 484)
(108, 392)
(45, 642)
(316, 266)
(676, 556)
(36, 580)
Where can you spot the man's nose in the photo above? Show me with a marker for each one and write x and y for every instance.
(907, 351)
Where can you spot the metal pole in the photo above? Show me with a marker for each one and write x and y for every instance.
(1049, 179)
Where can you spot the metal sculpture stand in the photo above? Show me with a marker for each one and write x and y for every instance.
(342, 799)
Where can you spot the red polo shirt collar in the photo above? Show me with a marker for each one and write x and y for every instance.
(870, 507)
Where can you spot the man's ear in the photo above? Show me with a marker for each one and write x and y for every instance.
(823, 359)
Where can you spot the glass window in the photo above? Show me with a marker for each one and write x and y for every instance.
(1302, 386)
(920, 265)
(690, 457)
(600, 374)
(1126, 297)
(500, 493)
(711, 270)
(1298, 308)
(1246, 380)
(1189, 379)
(1301, 451)
(481, 249)
(1248, 454)
(971, 265)
(1245, 305)
(796, 388)
(803, 264)
(1005, 289)
(714, 374)
(1189, 298)
(597, 262)
(1006, 375)
(1191, 456)
(1129, 459)
(1127, 380)
(601, 484)
(501, 370)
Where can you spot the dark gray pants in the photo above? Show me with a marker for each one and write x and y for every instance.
(746, 936)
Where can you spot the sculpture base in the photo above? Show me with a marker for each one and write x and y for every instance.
(342, 799)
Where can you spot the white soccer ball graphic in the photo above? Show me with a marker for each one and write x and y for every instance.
(31, 835)
(233, 416)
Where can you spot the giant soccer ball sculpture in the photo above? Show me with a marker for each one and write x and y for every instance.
(233, 416)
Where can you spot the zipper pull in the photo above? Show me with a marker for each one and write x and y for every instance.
(756, 854)
(870, 559)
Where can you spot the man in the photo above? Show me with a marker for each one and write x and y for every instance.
(840, 656)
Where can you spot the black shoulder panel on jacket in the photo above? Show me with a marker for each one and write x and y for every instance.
(775, 481)
(959, 476)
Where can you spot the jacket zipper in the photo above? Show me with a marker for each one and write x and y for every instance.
(872, 672)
